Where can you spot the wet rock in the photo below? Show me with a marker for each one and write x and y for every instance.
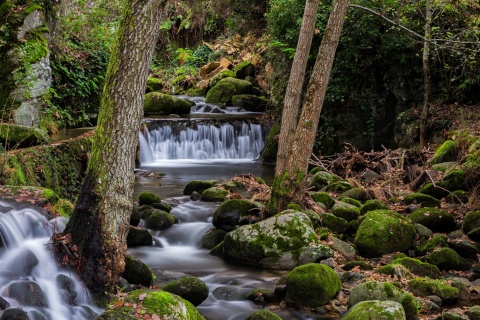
(212, 238)
(195, 196)
(435, 219)
(135, 217)
(24, 263)
(228, 293)
(4, 304)
(68, 286)
(244, 69)
(14, 314)
(139, 237)
(376, 309)
(249, 102)
(191, 289)
(262, 296)
(159, 220)
(263, 315)
(312, 285)
(137, 272)
(214, 194)
(28, 293)
(147, 198)
(162, 206)
(425, 287)
(198, 186)
(229, 213)
(362, 265)
(447, 259)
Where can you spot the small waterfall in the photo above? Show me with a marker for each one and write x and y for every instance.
(175, 140)
(29, 276)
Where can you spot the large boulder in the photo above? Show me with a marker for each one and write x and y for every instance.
(384, 291)
(191, 289)
(445, 153)
(229, 213)
(157, 103)
(137, 272)
(163, 304)
(447, 259)
(221, 93)
(17, 136)
(414, 266)
(435, 219)
(312, 285)
(382, 232)
(376, 310)
(279, 242)
(28, 293)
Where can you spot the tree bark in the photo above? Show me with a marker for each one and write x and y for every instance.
(289, 186)
(99, 223)
(426, 74)
(291, 103)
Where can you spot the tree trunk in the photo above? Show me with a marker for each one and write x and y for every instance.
(99, 223)
(289, 186)
(426, 75)
(291, 103)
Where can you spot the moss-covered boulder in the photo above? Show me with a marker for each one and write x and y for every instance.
(324, 198)
(445, 153)
(334, 223)
(312, 285)
(351, 201)
(356, 193)
(371, 205)
(382, 232)
(163, 304)
(473, 313)
(414, 266)
(453, 181)
(191, 289)
(346, 211)
(424, 287)
(362, 265)
(15, 136)
(437, 220)
(212, 238)
(159, 220)
(457, 196)
(250, 102)
(137, 272)
(138, 237)
(162, 206)
(135, 217)
(198, 186)
(384, 291)
(339, 186)
(226, 73)
(422, 199)
(376, 310)
(153, 84)
(147, 198)
(269, 151)
(447, 259)
(221, 93)
(263, 315)
(471, 221)
(244, 69)
(321, 179)
(214, 194)
(280, 242)
(437, 241)
(230, 212)
(474, 234)
(157, 103)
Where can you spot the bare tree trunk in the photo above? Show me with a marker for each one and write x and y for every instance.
(426, 75)
(291, 103)
(99, 223)
(289, 185)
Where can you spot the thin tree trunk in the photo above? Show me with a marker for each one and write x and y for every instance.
(289, 186)
(426, 75)
(291, 103)
(99, 223)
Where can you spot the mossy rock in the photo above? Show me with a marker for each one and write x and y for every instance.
(164, 305)
(180, 83)
(63, 208)
(455, 180)
(371, 205)
(384, 291)
(226, 73)
(263, 315)
(376, 310)
(473, 313)
(147, 198)
(157, 103)
(322, 179)
(159, 220)
(162, 206)
(214, 194)
(334, 223)
(267, 295)
(138, 237)
(241, 86)
(431, 244)
(312, 285)
(351, 201)
(221, 93)
(191, 289)
(474, 234)
(212, 238)
(424, 287)
(230, 212)
(471, 221)
(324, 198)
(458, 197)
(195, 92)
(270, 148)
(445, 153)
(339, 186)
(250, 102)
(14, 136)
(382, 232)
(244, 69)
(135, 217)
(137, 272)
(356, 193)
(145, 213)
(447, 259)
(435, 219)
(346, 211)
(154, 84)
(422, 199)
(434, 190)
(198, 186)
(362, 265)
(418, 267)
(444, 166)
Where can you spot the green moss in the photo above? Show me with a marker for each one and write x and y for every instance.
(447, 259)
(221, 75)
(333, 223)
(445, 153)
(159, 220)
(214, 194)
(424, 287)
(371, 205)
(431, 244)
(263, 315)
(191, 289)
(166, 304)
(471, 221)
(423, 199)
(323, 197)
(154, 84)
(269, 151)
(362, 265)
(435, 219)
(164, 104)
(63, 208)
(221, 93)
(198, 186)
(346, 211)
(147, 198)
(418, 267)
(351, 201)
(338, 186)
(358, 194)
(268, 295)
(244, 69)
(376, 309)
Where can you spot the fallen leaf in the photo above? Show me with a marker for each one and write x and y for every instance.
(142, 296)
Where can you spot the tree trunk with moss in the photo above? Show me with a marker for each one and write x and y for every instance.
(289, 185)
(291, 103)
(99, 223)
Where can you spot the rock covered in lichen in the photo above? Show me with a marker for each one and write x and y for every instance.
(376, 310)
